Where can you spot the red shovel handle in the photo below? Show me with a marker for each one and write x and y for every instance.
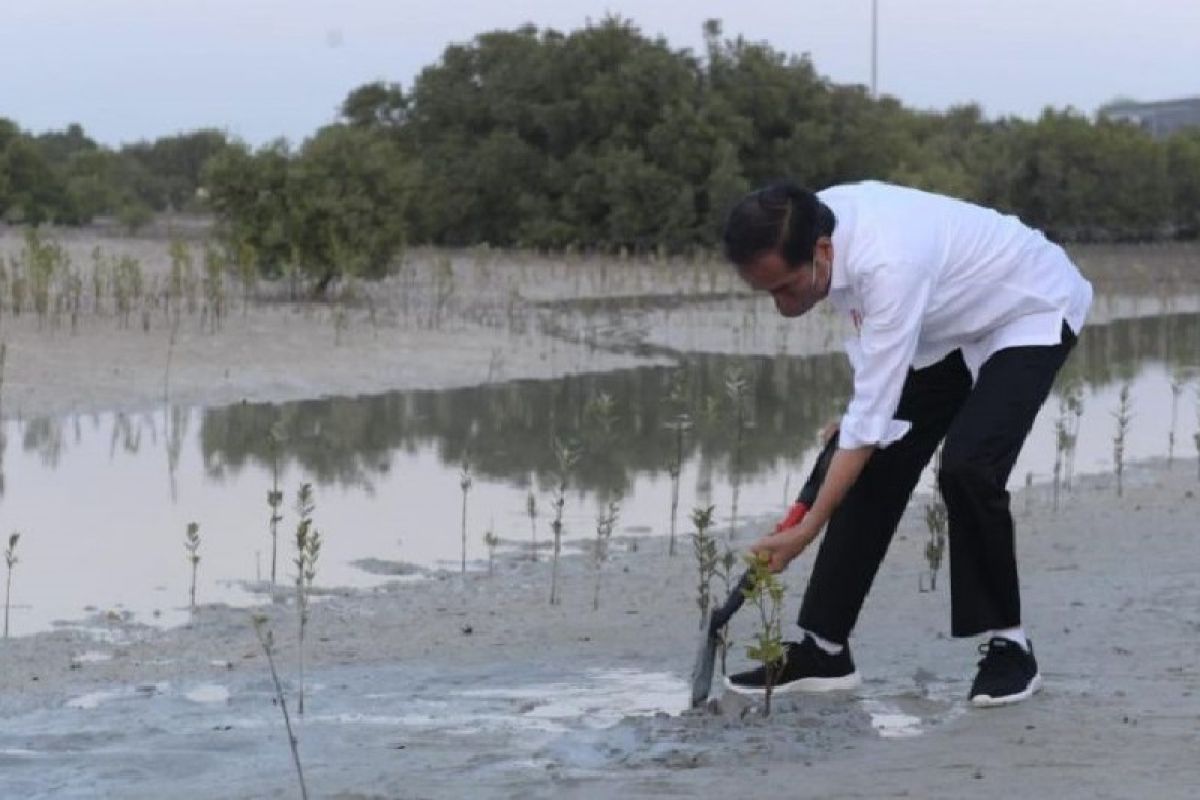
(794, 515)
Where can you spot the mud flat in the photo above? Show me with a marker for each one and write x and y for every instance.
(452, 686)
(441, 685)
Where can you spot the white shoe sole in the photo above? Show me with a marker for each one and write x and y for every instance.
(987, 701)
(812, 685)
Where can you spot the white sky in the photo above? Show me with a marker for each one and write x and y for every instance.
(134, 69)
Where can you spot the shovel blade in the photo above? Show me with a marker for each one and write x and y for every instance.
(706, 659)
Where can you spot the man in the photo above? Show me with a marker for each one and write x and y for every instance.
(963, 316)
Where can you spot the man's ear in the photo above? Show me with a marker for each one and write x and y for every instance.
(823, 249)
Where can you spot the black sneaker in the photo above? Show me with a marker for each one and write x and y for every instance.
(1007, 674)
(806, 668)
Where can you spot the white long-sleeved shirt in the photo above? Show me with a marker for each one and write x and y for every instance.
(922, 275)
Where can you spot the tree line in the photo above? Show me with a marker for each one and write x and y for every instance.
(599, 139)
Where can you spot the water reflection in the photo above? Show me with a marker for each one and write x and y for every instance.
(386, 468)
(506, 430)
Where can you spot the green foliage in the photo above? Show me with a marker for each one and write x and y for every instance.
(765, 593)
(308, 549)
(705, 548)
(336, 207)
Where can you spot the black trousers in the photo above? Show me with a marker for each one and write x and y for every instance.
(984, 425)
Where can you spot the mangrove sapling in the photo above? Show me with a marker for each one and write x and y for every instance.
(1196, 436)
(464, 483)
(936, 518)
(680, 424)
(765, 593)
(214, 285)
(531, 510)
(1122, 415)
(566, 455)
(181, 265)
(606, 520)
(737, 390)
(308, 548)
(266, 638)
(274, 495)
(1060, 449)
(490, 541)
(705, 548)
(10, 559)
(191, 543)
(1073, 399)
(1178, 379)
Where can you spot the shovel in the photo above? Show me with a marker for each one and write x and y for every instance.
(706, 656)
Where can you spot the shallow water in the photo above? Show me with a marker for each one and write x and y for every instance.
(103, 501)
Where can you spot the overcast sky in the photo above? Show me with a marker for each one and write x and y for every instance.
(135, 69)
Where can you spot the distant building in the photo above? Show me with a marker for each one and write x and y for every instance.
(1159, 119)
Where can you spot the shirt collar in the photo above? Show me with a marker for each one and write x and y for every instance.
(840, 279)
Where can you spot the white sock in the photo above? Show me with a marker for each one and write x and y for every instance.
(833, 648)
(1016, 634)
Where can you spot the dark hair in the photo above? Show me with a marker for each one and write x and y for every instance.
(781, 217)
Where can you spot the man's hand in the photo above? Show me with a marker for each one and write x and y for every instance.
(780, 547)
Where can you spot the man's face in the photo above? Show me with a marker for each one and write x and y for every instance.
(794, 291)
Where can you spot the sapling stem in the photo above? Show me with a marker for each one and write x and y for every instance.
(566, 454)
(606, 520)
(274, 496)
(464, 482)
(490, 540)
(737, 389)
(1177, 382)
(1123, 415)
(191, 543)
(935, 519)
(308, 548)
(10, 559)
(679, 425)
(266, 638)
(531, 510)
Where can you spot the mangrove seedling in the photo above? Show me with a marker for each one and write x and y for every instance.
(1196, 436)
(705, 548)
(490, 540)
(531, 510)
(606, 520)
(464, 483)
(566, 454)
(308, 548)
(1060, 449)
(679, 424)
(765, 593)
(1072, 403)
(1178, 380)
(936, 518)
(10, 559)
(191, 542)
(274, 496)
(737, 389)
(1122, 415)
(266, 639)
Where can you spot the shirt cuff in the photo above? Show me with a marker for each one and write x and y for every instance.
(859, 431)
